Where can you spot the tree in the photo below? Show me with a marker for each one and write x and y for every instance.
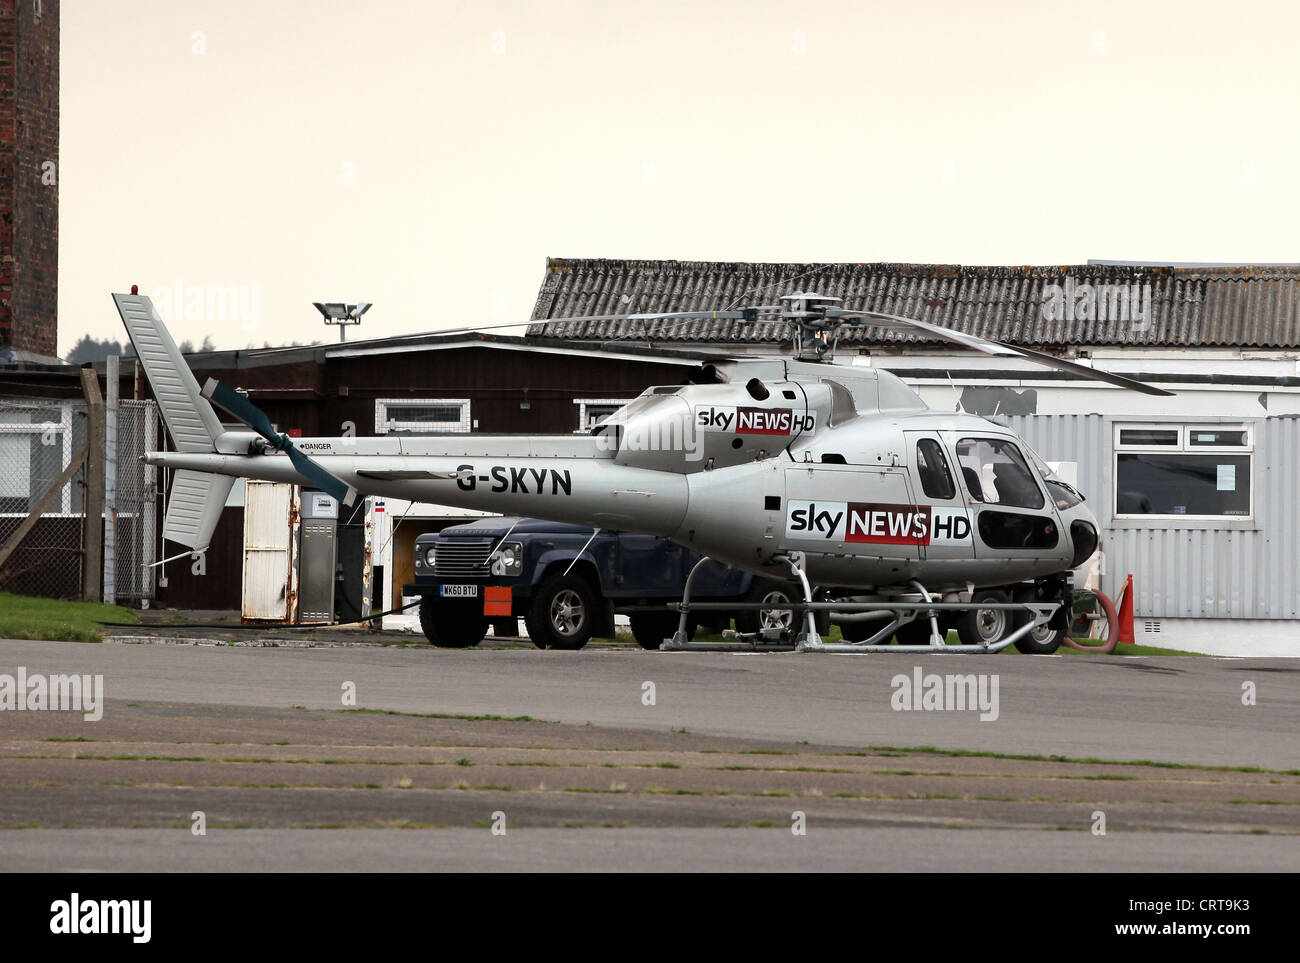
(89, 350)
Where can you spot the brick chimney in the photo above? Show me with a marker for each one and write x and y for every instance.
(29, 176)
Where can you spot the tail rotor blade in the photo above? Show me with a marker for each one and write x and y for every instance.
(330, 484)
(232, 401)
(253, 416)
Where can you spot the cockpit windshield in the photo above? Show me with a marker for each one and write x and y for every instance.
(1064, 494)
(996, 473)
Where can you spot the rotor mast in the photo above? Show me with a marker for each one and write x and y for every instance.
(815, 335)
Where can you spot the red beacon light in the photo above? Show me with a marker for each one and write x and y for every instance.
(135, 289)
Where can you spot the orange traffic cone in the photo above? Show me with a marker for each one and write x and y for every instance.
(1126, 614)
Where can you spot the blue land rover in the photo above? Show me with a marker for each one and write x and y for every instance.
(567, 585)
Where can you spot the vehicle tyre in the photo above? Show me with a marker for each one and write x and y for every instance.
(712, 623)
(750, 621)
(563, 613)
(1045, 639)
(427, 609)
(449, 629)
(917, 632)
(860, 631)
(651, 628)
(505, 627)
(984, 626)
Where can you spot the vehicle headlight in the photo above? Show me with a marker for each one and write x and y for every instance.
(430, 556)
(508, 559)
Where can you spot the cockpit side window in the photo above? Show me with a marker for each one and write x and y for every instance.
(996, 473)
(936, 479)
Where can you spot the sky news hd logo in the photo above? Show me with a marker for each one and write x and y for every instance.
(880, 524)
(754, 421)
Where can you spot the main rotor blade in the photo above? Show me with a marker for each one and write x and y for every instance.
(1095, 373)
(736, 314)
(899, 323)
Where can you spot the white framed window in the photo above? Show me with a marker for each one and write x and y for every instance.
(421, 415)
(36, 445)
(1184, 471)
(592, 411)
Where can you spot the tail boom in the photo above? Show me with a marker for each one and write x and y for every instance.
(585, 491)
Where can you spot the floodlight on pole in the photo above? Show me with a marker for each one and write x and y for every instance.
(336, 312)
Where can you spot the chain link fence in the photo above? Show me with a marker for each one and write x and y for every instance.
(39, 440)
(136, 505)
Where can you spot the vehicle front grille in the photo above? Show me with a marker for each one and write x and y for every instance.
(462, 558)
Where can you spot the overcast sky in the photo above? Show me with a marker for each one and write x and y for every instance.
(429, 156)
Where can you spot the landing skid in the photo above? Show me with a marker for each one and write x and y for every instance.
(807, 639)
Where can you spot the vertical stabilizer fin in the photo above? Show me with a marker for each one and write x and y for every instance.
(193, 424)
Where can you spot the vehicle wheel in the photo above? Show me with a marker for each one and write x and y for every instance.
(447, 628)
(750, 621)
(860, 631)
(427, 609)
(1045, 639)
(917, 632)
(562, 614)
(984, 626)
(505, 627)
(651, 628)
(712, 623)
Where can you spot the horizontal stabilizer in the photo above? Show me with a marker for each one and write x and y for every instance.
(194, 508)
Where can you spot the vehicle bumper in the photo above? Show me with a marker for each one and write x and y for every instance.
(489, 599)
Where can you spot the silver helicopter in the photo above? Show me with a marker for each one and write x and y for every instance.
(891, 517)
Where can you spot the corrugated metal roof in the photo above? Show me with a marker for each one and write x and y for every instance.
(1193, 307)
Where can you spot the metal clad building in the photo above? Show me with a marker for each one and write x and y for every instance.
(1201, 570)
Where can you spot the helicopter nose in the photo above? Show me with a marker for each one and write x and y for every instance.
(1084, 532)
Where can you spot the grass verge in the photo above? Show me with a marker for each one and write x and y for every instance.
(54, 620)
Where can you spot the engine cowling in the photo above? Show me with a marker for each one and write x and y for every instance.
(703, 427)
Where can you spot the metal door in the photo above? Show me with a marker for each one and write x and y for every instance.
(851, 509)
(937, 490)
(269, 517)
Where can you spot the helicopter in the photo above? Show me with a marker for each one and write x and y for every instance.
(893, 518)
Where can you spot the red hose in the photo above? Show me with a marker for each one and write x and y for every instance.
(1112, 634)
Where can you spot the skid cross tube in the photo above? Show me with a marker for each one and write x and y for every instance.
(899, 614)
(681, 639)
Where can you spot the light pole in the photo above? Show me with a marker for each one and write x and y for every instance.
(336, 312)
